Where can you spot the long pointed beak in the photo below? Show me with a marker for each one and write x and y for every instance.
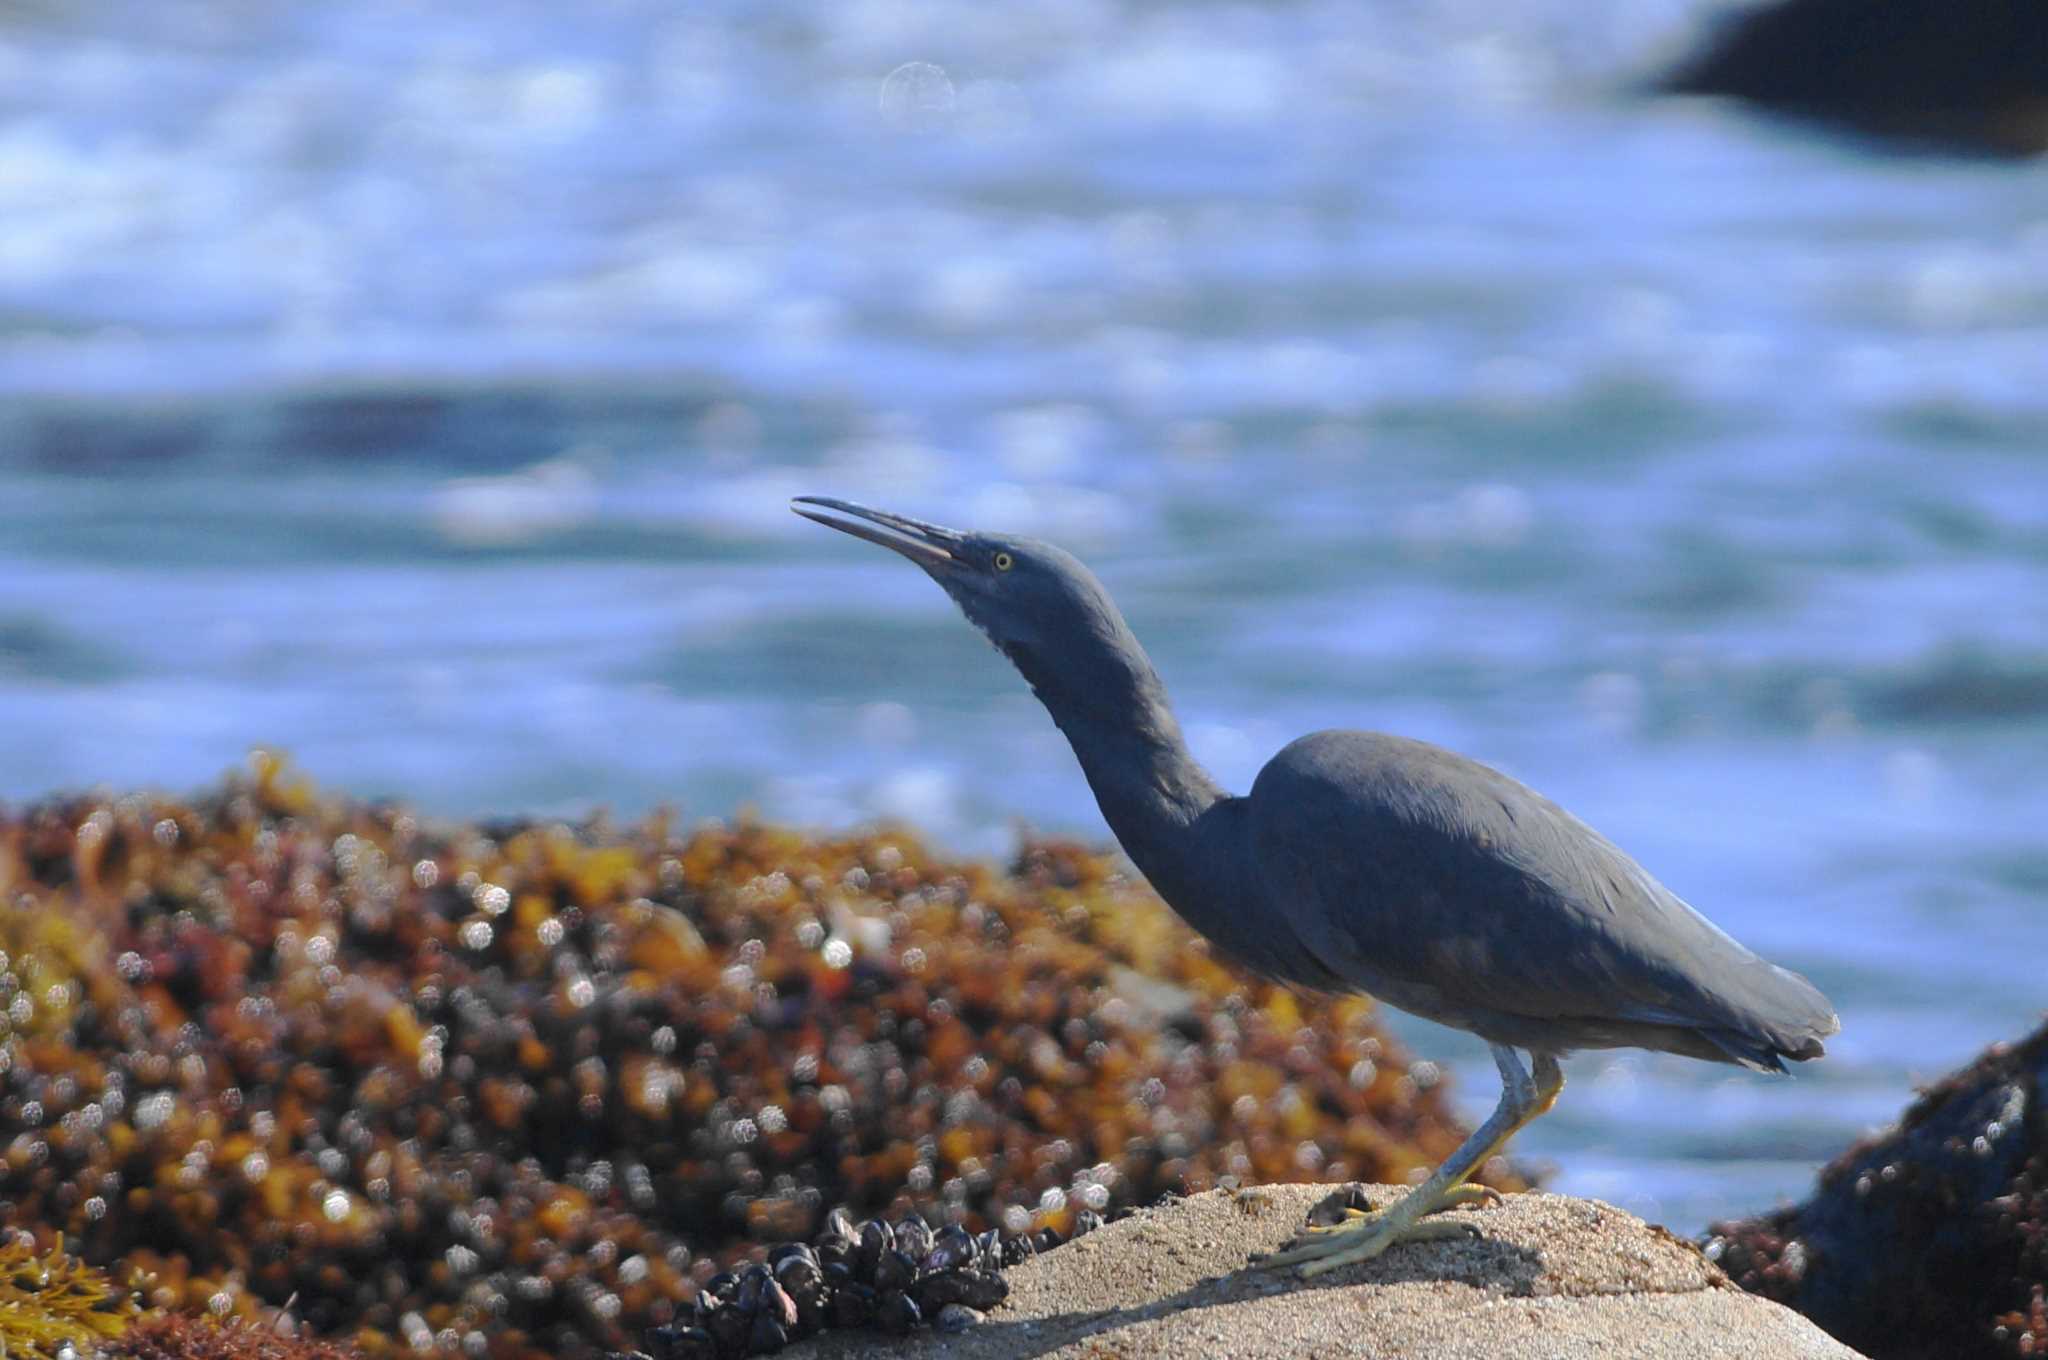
(925, 544)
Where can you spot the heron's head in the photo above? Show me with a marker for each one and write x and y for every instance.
(1036, 602)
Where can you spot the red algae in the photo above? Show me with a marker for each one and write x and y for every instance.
(174, 1336)
(519, 1088)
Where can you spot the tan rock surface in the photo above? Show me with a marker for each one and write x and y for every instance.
(1548, 1277)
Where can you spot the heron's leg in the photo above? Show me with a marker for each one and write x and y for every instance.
(1366, 1235)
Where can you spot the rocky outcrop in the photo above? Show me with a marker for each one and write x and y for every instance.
(525, 1086)
(1546, 1275)
(1931, 1239)
(1958, 73)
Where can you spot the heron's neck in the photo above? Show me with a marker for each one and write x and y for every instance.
(1151, 791)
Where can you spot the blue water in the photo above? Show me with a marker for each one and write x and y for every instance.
(419, 389)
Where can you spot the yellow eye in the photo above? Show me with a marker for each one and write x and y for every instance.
(1003, 561)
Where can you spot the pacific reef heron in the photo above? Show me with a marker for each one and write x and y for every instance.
(1362, 862)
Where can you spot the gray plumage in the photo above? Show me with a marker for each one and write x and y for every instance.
(1361, 862)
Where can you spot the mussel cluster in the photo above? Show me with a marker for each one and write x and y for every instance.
(522, 1089)
(892, 1277)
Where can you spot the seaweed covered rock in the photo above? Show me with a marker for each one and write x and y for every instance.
(1931, 1239)
(519, 1088)
(1963, 73)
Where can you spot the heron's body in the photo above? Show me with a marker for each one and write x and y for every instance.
(1361, 862)
(1540, 933)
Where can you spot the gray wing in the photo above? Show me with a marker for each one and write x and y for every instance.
(1451, 890)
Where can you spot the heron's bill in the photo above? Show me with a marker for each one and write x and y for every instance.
(926, 544)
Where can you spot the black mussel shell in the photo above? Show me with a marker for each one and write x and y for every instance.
(722, 1286)
(973, 1288)
(896, 1270)
(753, 1280)
(812, 1310)
(1045, 1239)
(936, 1291)
(1087, 1221)
(985, 1289)
(840, 1224)
(875, 1241)
(913, 1238)
(838, 1274)
(1019, 1249)
(854, 1305)
(768, 1335)
(838, 1251)
(784, 1252)
(900, 1314)
(776, 1303)
(799, 1275)
(952, 1248)
(989, 1247)
(730, 1328)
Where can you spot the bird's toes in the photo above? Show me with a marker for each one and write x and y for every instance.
(1468, 1193)
(1374, 1242)
(1351, 1222)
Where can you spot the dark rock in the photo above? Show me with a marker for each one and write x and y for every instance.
(676, 1342)
(1970, 74)
(1335, 1206)
(1930, 1239)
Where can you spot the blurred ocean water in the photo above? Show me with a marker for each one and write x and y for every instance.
(419, 389)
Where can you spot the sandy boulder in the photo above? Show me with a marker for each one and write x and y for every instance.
(1548, 1276)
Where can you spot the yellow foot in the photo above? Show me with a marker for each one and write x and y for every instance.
(1454, 1198)
(1364, 1233)
(1361, 1240)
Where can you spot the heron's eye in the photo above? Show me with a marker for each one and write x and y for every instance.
(1003, 561)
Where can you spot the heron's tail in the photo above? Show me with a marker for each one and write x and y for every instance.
(1791, 1021)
